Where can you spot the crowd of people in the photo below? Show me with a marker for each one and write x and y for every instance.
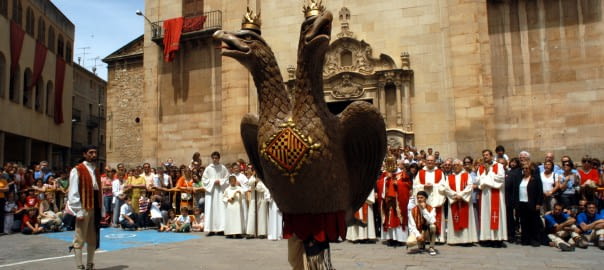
(419, 200)
(167, 198)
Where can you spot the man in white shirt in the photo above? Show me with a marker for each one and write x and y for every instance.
(149, 176)
(127, 216)
(84, 200)
(422, 224)
(117, 191)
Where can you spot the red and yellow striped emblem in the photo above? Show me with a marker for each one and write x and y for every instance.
(287, 149)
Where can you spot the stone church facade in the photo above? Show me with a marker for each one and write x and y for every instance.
(458, 76)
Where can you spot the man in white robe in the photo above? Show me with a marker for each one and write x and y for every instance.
(234, 212)
(275, 219)
(363, 228)
(257, 214)
(461, 226)
(432, 180)
(491, 177)
(214, 180)
(243, 183)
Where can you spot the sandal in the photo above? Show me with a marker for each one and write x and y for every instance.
(432, 251)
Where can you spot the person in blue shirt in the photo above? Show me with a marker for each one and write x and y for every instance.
(562, 161)
(561, 229)
(549, 157)
(592, 225)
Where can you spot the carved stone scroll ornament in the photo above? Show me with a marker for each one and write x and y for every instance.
(347, 88)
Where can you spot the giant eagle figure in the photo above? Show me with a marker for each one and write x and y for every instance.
(319, 167)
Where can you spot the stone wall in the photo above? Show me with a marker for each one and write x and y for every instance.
(525, 74)
(548, 76)
(445, 42)
(124, 140)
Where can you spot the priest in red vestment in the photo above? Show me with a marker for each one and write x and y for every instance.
(393, 192)
(491, 177)
(461, 225)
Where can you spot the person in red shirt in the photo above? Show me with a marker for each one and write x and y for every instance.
(590, 178)
(31, 201)
(30, 224)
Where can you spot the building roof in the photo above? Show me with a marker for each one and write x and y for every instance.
(89, 73)
(133, 49)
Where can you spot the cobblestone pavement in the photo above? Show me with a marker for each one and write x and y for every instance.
(216, 252)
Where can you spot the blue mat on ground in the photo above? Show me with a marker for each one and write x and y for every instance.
(116, 239)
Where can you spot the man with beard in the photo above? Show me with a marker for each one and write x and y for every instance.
(84, 200)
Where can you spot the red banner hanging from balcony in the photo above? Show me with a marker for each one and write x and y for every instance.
(16, 44)
(195, 23)
(59, 82)
(172, 32)
(39, 60)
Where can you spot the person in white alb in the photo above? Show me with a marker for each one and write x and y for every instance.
(257, 214)
(84, 201)
(233, 196)
(275, 219)
(363, 227)
(245, 186)
(491, 177)
(461, 226)
(215, 181)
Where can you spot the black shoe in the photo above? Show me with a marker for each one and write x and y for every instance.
(580, 242)
(600, 243)
(499, 244)
(211, 234)
(535, 244)
(220, 233)
(485, 243)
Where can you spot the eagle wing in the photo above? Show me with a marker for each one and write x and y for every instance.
(364, 142)
(249, 135)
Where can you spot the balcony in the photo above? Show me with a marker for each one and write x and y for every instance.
(93, 121)
(213, 22)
